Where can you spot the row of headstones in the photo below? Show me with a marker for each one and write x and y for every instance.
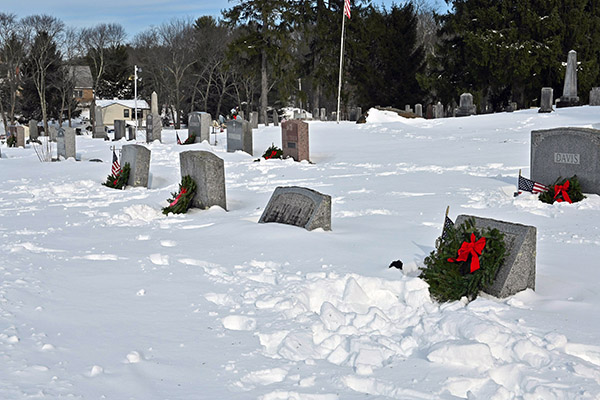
(547, 99)
(63, 136)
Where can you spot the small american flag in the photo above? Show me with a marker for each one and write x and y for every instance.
(178, 140)
(347, 8)
(531, 186)
(448, 224)
(116, 167)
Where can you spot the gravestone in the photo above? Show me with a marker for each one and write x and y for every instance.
(52, 131)
(239, 136)
(199, 125)
(153, 128)
(564, 152)
(358, 113)
(154, 104)
(99, 132)
(138, 158)
(275, 118)
(517, 273)
(438, 110)
(569, 97)
(466, 107)
(294, 140)
(333, 116)
(352, 114)
(130, 133)
(595, 96)
(33, 130)
(323, 115)
(408, 109)
(65, 143)
(298, 206)
(546, 100)
(419, 110)
(208, 171)
(20, 135)
(119, 125)
(512, 106)
(240, 114)
(429, 113)
(316, 114)
(254, 120)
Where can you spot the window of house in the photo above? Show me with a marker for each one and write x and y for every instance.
(78, 93)
(126, 113)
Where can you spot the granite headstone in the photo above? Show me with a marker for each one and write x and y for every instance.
(65, 143)
(299, 206)
(595, 96)
(569, 97)
(517, 273)
(564, 152)
(239, 136)
(546, 100)
(99, 132)
(466, 107)
(254, 119)
(199, 125)
(208, 171)
(33, 130)
(119, 125)
(419, 110)
(294, 140)
(138, 158)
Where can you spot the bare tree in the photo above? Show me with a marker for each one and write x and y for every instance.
(71, 50)
(47, 31)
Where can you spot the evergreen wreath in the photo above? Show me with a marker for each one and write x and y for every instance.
(119, 181)
(273, 152)
(557, 191)
(191, 139)
(450, 279)
(181, 201)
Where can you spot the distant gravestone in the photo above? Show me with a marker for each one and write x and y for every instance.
(512, 106)
(294, 140)
(419, 110)
(20, 135)
(138, 158)
(569, 97)
(154, 104)
(241, 114)
(153, 128)
(316, 114)
(33, 130)
(131, 133)
(52, 131)
(323, 115)
(275, 118)
(466, 107)
(564, 152)
(254, 119)
(517, 273)
(208, 171)
(239, 136)
(358, 113)
(595, 96)
(352, 114)
(299, 206)
(119, 125)
(199, 125)
(333, 116)
(408, 109)
(429, 114)
(438, 110)
(546, 100)
(65, 143)
(99, 132)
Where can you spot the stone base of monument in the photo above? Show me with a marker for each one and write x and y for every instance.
(299, 206)
(517, 273)
(567, 102)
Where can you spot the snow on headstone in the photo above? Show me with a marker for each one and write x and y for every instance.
(298, 206)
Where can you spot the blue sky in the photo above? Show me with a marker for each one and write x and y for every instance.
(134, 15)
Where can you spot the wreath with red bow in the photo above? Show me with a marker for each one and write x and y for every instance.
(181, 201)
(563, 190)
(273, 152)
(464, 262)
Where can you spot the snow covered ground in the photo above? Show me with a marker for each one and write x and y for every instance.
(103, 297)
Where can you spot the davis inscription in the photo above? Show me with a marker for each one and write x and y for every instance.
(566, 158)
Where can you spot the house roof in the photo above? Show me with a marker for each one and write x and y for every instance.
(141, 104)
(83, 76)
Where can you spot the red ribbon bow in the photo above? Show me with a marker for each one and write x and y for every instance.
(474, 248)
(562, 191)
(273, 154)
(183, 191)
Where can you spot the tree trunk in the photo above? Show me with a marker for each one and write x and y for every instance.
(264, 86)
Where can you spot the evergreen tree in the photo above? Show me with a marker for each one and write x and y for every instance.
(116, 82)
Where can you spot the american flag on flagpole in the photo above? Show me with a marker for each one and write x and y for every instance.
(116, 167)
(531, 186)
(347, 8)
(448, 224)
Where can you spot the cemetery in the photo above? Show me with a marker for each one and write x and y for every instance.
(261, 237)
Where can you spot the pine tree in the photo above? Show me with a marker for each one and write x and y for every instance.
(116, 81)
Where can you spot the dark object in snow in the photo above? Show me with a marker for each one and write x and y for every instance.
(396, 264)
(96, 160)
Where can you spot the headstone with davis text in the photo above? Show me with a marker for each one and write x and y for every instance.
(564, 152)
(517, 273)
(239, 136)
(299, 206)
(138, 158)
(208, 172)
(294, 140)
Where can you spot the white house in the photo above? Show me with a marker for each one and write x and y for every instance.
(123, 109)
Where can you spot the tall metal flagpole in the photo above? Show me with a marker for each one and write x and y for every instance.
(341, 61)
